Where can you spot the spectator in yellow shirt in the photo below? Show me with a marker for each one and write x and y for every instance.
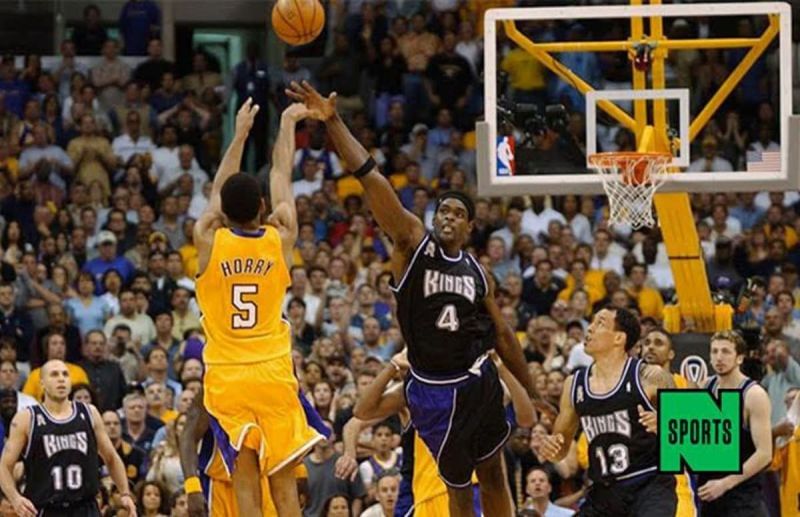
(54, 347)
(9, 165)
(648, 299)
(577, 280)
(526, 75)
(786, 457)
(156, 403)
(775, 228)
(92, 155)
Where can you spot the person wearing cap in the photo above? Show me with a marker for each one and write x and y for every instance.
(720, 268)
(443, 296)
(710, 162)
(417, 151)
(107, 259)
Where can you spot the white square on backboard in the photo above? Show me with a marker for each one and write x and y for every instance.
(680, 94)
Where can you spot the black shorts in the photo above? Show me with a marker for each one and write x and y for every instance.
(461, 420)
(741, 501)
(81, 509)
(652, 496)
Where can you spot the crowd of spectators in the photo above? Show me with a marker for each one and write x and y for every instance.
(104, 171)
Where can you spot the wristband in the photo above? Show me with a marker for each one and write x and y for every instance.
(365, 169)
(192, 485)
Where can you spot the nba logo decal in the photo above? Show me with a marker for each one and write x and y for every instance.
(694, 368)
(506, 166)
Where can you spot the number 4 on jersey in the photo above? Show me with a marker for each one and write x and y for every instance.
(448, 318)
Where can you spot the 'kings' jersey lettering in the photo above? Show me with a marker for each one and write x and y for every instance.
(617, 422)
(57, 443)
(438, 282)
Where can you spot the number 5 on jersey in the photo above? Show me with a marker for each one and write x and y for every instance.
(247, 317)
(448, 318)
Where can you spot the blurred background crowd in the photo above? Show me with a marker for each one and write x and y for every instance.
(106, 158)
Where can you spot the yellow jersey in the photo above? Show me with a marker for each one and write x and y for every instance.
(683, 484)
(240, 294)
(786, 460)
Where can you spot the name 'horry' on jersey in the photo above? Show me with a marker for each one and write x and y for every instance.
(441, 311)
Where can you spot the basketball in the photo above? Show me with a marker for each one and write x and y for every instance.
(298, 22)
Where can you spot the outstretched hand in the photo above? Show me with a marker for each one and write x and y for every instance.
(298, 111)
(311, 98)
(245, 117)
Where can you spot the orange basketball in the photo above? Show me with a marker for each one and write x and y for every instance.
(298, 22)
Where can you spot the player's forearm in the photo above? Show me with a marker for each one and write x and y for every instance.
(510, 352)
(230, 164)
(7, 484)
(523, 409)
(118, 475)
(280, 175)
(350, 436)
(188, 454)
(754, 464)
(350, 150)
(368, 404)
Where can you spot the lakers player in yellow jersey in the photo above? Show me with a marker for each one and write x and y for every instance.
(250, 387)
(657, 349)
(422, 491)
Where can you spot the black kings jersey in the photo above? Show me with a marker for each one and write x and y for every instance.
(61, 462)
(746, 445)
(620, 447)
(441, 310)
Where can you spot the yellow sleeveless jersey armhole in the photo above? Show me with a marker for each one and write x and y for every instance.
(680, 381)
(212, 255)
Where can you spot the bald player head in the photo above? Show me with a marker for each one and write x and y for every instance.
(55, 381)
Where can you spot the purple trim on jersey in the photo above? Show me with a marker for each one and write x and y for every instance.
(476, 499)
(312, 417)
(223, 443)
(405, 499)
(249, 233)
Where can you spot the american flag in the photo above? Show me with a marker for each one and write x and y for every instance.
(763, 161)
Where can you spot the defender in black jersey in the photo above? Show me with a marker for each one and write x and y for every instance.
(608, 400)
(446, 311)
(738, 495)
(59, 441)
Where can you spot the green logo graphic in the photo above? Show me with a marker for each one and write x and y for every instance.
(698, 432)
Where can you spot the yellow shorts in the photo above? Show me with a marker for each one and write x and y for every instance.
(438, 506)
(686, 506)
(257, 406)
(222, 500)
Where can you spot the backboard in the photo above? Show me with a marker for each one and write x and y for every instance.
(713, 81)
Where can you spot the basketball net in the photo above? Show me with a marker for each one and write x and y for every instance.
(630, 181)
